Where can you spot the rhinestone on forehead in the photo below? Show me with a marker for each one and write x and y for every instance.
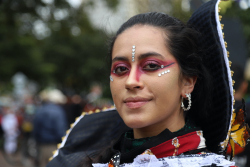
(133, 53)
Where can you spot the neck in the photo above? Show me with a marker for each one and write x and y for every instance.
(172, 124)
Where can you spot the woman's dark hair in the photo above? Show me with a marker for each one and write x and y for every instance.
(183, 43)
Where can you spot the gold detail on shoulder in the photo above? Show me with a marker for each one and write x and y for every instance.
(232, 73)
(50, 158)
(104, 108)
(148, 151)
(63, 138)
(227, 53)
(58, 145)
(90, 112)
(233, 82)
(97, 111)
(233, 92)
(54, 152)
(71, 125)
(226, 44)
(230, 63)
(223, 34)
(76, 118)
(67, 132)
(220, 17)
(83, 113)
(222, 26)
(233, 102)
(219, 9)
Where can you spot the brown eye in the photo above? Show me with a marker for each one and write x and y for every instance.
(121, 70)
(151, 67)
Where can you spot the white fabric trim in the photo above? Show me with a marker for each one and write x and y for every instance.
(74, 124)
(194, 160)
(222, 41)
(202, 143)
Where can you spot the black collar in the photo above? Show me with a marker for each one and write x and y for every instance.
(127, 157)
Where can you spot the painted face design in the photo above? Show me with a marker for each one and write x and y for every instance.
(166, 71)
(149, 64)
(111, 78)
(140, 95)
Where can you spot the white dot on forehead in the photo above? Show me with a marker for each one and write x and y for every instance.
(133, 46)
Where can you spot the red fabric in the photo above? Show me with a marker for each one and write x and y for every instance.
(187, 142)
(238, 149)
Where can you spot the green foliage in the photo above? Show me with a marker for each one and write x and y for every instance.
(56, 56)
(112, 3)
(178, 12)
(244, 15)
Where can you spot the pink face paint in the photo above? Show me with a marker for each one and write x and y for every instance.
(151, 64)
(158, 65)
(120, 68)
(138, 73)
(158, 62)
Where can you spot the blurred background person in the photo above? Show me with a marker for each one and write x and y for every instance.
(49, 124)
(73, 107)
(10, 128)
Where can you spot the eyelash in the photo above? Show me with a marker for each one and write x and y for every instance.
(124, 69)
(156, 66)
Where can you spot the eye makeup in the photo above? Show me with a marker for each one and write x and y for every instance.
(120, 69)
(166, 71)
(147, 65)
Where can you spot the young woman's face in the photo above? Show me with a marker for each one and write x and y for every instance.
(144, 93)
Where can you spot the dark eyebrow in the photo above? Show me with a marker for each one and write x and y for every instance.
(142, 56)
(120, 58)
(148, 54)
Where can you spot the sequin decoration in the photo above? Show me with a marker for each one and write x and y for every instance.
(133, 53)
(176, 144)
(115, 160)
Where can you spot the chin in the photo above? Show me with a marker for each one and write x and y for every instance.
(135, 124)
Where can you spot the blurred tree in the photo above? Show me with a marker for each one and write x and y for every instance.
(18, 51)
(234, 11)
(176, 8)
(51, 42)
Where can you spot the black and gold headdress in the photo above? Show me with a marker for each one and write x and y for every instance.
(221, 126)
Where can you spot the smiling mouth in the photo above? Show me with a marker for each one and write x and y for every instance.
(136, 102)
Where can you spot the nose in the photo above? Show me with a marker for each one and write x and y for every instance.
(133, 81)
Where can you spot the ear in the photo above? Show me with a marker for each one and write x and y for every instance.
(188, 84)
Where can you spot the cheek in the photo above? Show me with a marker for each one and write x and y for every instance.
(167, 87)
(116, 88)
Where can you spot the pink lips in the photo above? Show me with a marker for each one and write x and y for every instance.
(136, 102)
